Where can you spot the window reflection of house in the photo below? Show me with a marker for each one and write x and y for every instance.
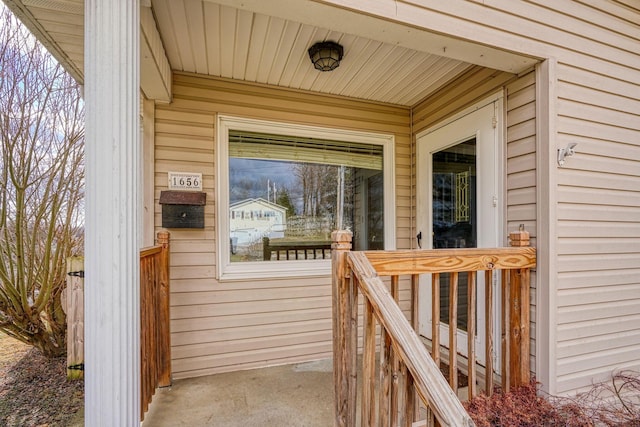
(252, 219)
(332, 178)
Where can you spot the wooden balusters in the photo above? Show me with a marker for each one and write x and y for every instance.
(155, 344)
(506, 355)
(368, 366)
(395, 362)
(488, 312)
(385, 379)
(453, 331)
(435, 318)
(471, 333)
(408, 376)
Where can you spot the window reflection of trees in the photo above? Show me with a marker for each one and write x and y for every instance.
(311, 195)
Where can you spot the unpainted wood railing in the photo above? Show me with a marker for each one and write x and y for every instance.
(155, 341)
(405, 369)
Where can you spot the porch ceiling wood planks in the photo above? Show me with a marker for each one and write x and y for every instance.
(243, 41)
(263, 49)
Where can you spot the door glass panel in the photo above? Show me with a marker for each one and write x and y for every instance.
(375, 208)
(454, 214)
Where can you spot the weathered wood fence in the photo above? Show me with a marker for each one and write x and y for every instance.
(73, 297)
(155, 342)
(405, 370)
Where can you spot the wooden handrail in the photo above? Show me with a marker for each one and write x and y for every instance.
(155, 345)
(147, 252)
(390, 263)
(428, 381)
(402, 353)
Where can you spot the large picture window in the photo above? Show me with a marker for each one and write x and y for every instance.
(284, 188)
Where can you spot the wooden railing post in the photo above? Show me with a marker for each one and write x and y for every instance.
(345, 302)
(164, 332)
(519, 326)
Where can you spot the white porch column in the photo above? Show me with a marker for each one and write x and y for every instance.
(112, 325)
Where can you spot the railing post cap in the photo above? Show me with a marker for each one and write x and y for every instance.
(341, 236)
(341, 240)
(163, 236)
(520, 237)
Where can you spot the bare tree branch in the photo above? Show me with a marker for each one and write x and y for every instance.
(41, 186)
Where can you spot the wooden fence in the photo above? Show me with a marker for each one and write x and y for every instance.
(155, 345)
(73, 298)
(154, 320)
(405, 370)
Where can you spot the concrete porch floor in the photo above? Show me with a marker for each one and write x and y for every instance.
(281, 396)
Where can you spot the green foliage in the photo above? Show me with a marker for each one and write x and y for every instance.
(41, 187)
(284, 200)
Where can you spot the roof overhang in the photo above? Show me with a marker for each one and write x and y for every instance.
(386, 60)
(383, 27)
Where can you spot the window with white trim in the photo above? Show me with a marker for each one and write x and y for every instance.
(283, 188)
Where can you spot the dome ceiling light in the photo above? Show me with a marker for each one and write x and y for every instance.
(326, 56)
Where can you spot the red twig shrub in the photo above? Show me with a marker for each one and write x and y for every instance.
(615, 404)
(520, 407)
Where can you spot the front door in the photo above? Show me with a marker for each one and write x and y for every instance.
(458, 199)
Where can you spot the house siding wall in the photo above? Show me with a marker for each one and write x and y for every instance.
(224, 326)
(520, 169)
(594, 282)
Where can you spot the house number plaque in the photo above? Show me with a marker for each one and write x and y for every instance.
(185, 181)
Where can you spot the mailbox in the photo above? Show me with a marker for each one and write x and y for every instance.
(183, 209)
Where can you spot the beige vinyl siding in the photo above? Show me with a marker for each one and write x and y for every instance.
(520, 104)
(598, 226)
(594, 280)
(226, 326)
(521, 156)
(473, 86)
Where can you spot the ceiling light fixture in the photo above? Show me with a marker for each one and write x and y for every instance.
(326, 56)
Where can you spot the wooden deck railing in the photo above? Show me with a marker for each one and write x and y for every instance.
(405, 369)
(154, 320)
(302, 249)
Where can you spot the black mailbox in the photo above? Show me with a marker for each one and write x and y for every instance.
(183, 209)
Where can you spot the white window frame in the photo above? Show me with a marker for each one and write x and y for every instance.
(226, 270)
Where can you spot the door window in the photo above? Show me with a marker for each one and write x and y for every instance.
(454, 213)
(457, 195)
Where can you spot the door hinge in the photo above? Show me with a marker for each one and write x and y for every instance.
(494, 122)
(495, 201)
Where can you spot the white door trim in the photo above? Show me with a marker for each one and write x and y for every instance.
(491, 175)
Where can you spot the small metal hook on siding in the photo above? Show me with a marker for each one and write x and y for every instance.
(568, 151)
